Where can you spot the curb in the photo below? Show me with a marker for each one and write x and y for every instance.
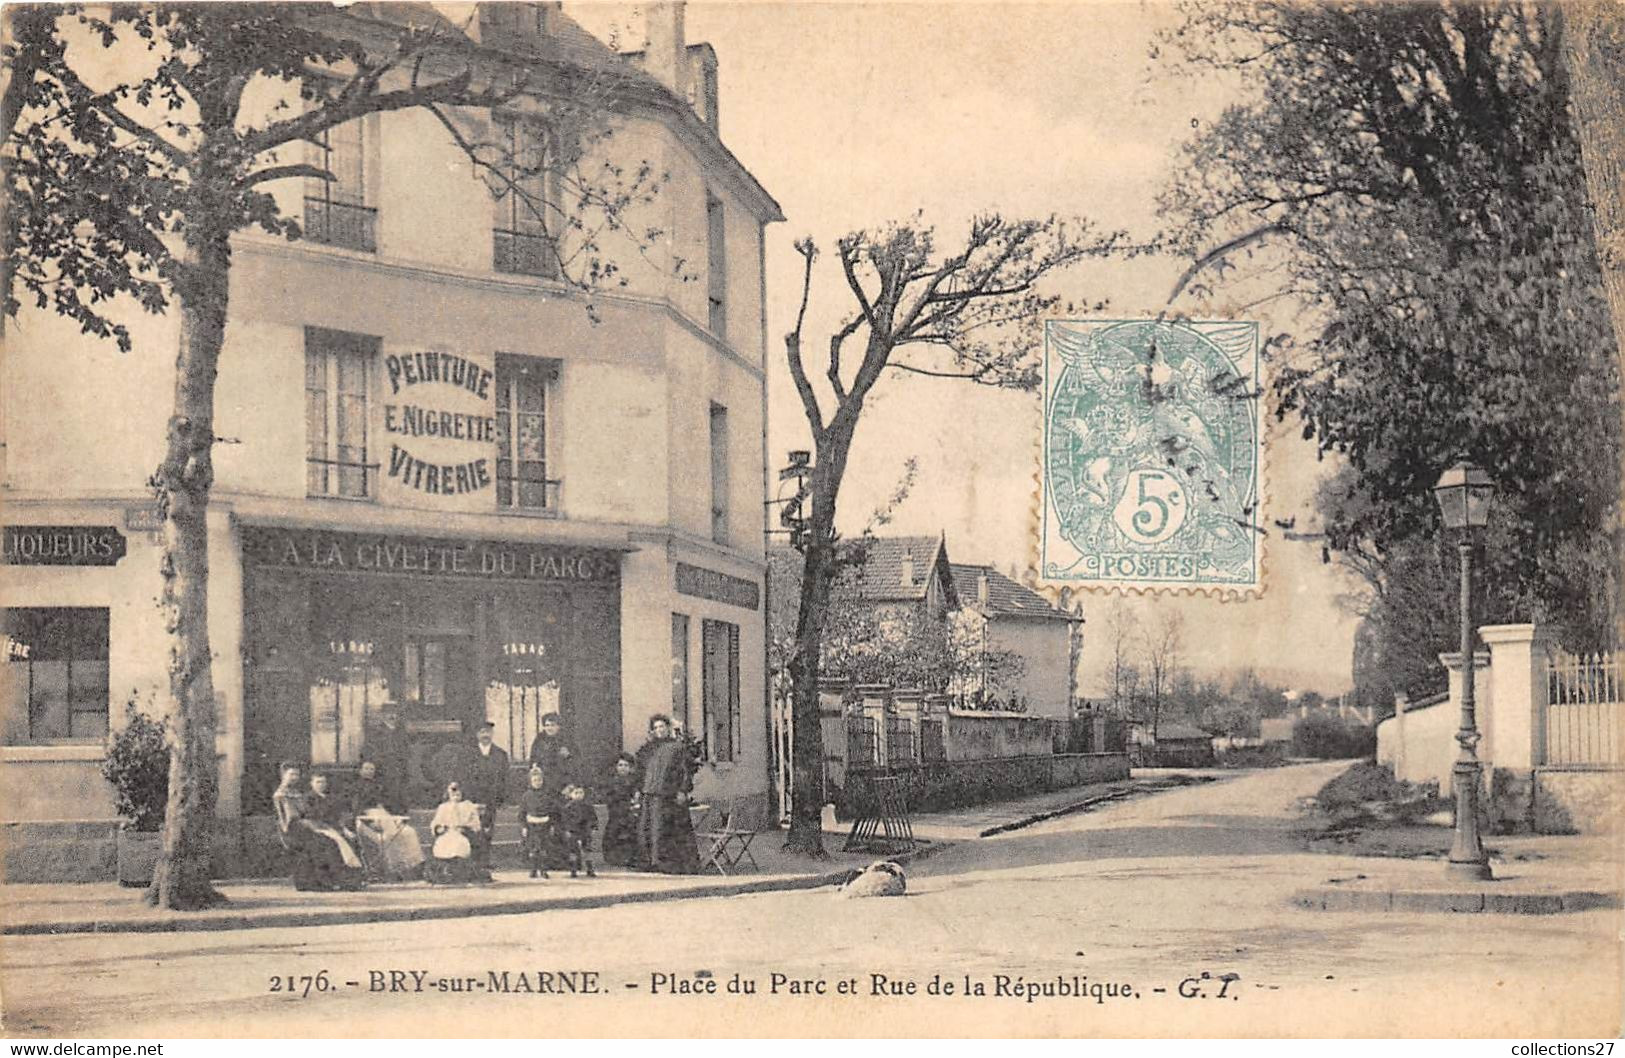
(1462, 902)
(179, 922)
(1127, 792)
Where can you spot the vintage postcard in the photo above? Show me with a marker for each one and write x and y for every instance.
(964, 519)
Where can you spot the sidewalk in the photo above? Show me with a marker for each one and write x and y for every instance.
(1535, 874)
(108, 908)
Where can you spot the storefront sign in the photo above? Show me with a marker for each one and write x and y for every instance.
(63, 545)
(718, 587)
(319, 550)
(446, 469)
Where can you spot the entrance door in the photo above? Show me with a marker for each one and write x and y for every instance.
(443, 708)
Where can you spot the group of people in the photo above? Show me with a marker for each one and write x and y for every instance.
(333, 841)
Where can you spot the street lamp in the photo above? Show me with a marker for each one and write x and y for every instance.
(1464, 493)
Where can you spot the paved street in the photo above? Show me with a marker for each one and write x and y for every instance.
(1144, 894)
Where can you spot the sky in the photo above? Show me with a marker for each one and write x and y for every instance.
(855, 114)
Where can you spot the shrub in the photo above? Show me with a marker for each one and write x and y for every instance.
(137, 766)
(1330, 738)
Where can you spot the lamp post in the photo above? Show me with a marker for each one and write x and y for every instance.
(1464, 493)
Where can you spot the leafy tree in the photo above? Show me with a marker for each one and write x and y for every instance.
(1413, 172)
(970, 313)
(137, 186)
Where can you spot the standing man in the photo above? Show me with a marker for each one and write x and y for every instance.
(386, 747)
(485, 782)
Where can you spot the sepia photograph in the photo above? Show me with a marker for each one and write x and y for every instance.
(745, 519)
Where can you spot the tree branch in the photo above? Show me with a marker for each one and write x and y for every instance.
(792, 342)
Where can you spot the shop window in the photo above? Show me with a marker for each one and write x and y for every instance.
(349, 689)
(337, 366)
(524, 400)
(55, 674)
(720, 688)
(719, 473)
(679, 670)
(522, 229)
(716, 262)
(336, 210)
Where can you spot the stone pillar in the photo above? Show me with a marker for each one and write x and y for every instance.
(1402, 702)
(1517, 698)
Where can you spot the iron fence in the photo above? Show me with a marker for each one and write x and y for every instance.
(862, 742)
(1582, 709)
(901, 741)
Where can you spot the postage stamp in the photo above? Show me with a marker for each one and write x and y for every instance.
(1152, 455)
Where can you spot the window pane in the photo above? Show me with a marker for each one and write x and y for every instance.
(48, 702)
(532, 495)
(345, 162)
(679, 669)
(532, 437)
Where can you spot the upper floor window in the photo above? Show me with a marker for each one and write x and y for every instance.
(55, 678)
(521, 230)
(719, 473)
(336, 457)
(716, 265)
(524, 385)
(336, 210)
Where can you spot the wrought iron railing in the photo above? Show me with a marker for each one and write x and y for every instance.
(1582, 709)
(524, 253)
(862, 742)
(345, 479)
(901, 747)
(519, 494)
(341, 224)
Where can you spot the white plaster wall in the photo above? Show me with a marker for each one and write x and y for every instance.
(1043, 646)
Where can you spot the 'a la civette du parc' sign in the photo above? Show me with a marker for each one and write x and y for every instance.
(325, 551)
(62, 545)
(447, 415)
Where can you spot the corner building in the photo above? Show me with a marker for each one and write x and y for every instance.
(442, 487)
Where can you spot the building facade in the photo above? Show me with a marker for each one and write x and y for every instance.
(444, 490)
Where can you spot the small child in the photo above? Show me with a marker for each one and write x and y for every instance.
(576, 822)
(536, 826)
(621, 832)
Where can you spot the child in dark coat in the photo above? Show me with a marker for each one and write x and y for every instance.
(537, 822)
(576, 821)
(621, 832)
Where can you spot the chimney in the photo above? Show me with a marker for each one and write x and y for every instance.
(665, 58)
(908, 568)
(702, 83)
(981, 587)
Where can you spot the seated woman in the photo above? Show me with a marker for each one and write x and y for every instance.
(390, 847)
(312, 830)
(456, 825)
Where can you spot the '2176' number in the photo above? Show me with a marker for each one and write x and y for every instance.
(301, 985)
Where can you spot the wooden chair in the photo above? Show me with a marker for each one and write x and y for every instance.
(726, 845)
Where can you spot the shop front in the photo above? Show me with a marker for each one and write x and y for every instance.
(395, 648)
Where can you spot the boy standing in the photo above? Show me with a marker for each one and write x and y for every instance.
(536, 824)
(576, 822)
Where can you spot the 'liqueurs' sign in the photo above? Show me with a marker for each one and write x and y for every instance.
(440, 425)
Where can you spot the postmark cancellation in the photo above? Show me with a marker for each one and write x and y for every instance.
(1152, 456)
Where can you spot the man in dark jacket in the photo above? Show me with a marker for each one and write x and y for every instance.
(484, 774)
(550, 751)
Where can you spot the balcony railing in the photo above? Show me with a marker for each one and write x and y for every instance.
(523, 495)
(340, 478)
(341, 224)
(523, 253)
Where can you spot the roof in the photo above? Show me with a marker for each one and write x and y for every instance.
(1177, 732)
(1005, 598)
(571, 44)
(880, 577)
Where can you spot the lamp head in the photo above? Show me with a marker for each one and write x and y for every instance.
(1464, 492)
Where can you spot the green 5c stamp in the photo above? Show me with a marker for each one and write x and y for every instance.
(1152, 454)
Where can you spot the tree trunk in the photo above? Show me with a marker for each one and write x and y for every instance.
(202, 289)
(1594, 50)
(817, 581)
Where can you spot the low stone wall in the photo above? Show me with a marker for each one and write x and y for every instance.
(1578, 800)
(77, 850)
(956, 784)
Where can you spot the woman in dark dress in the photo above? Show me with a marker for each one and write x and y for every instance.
(623, 799)
(314, 833)
(665, 832)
